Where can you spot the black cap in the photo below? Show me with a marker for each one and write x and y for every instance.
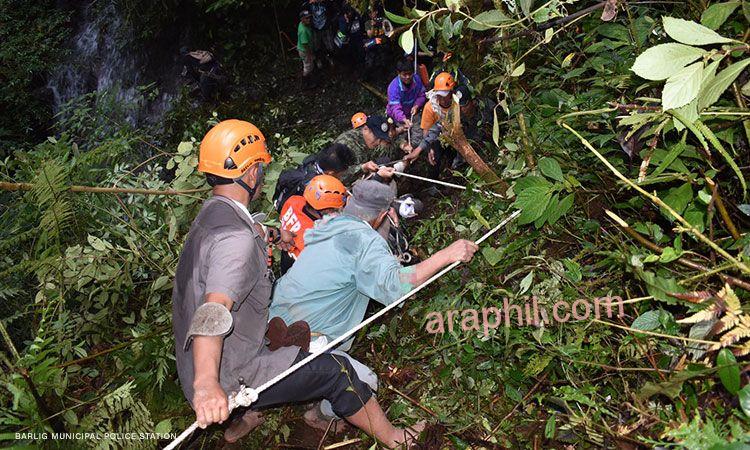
(379, 126)
(463, 94)
(304, 13)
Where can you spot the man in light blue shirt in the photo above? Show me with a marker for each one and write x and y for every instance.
(346, 263)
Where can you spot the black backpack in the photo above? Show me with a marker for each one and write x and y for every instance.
(293, 182)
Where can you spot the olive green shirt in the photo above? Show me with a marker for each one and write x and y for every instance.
(355, 140)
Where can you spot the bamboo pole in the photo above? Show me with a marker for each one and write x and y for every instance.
(373, 90)
(627, 229)
(6, 186)
(722, 209)
(659, 202)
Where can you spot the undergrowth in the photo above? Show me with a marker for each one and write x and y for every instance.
(86, 278)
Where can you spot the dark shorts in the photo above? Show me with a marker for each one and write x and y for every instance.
(328, 376)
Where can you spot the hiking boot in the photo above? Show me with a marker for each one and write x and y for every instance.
(298, 334)
(243, 425)
(276, 333)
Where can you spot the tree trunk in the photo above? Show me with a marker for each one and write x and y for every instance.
(455, 134)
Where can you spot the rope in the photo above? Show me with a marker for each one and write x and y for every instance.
(444, 183)
(246, 396)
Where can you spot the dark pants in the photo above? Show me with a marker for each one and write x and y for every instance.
(328, 376)
(286, 263)
(442, 156)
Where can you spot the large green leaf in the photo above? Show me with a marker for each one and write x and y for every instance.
(526, 6)
(664, 60)
(711, 92)
(530, 181)
(447, 29)
(647, 321)
(430, 27)
(552, 206)
(532, 202)
(660, 287)
(682, 87)
(729, 371)
(691, 33)
(562, 208)
(715, 15)
(406, 40)
(678, 199)
(672, 387)
(395, 18)
(688, 112)
(488, 19)
(551, 168)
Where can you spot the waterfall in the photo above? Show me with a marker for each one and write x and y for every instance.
(105, 59)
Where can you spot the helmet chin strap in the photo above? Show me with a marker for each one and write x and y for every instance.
(258, 178)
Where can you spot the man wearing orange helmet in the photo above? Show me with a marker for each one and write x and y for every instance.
(368, 143)
(359, 119)
(324, 195)
(333, 160)
(220, 303)
(437, 108)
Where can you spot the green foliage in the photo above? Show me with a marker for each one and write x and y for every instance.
(89, 276)
(31, 44)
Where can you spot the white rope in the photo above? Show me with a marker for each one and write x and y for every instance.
(444, 183)
(247, 395)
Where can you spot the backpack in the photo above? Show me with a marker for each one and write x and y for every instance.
(293, 181)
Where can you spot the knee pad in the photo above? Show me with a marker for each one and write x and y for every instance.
(210, 319)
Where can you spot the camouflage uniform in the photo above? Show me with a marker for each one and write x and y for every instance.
(355, 140)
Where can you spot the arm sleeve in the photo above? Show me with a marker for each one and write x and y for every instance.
(378, 273)
(432, 135)
(232, 269)
(428, 118)
(394, 108)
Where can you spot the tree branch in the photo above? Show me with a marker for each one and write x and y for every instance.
(5, 186)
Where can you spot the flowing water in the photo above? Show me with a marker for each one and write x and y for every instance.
(104, 60)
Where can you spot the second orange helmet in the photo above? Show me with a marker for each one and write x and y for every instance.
(325, 191)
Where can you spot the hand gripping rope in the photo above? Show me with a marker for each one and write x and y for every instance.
(246, 395)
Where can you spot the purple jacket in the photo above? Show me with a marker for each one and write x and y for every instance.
(401, 100)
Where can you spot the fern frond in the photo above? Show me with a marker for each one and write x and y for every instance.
(50, 193)
(56, 218)
(49, 183)
(727, 322)
(742, 350)
(119, 412)
(730, 300)
(704, 315)
(742, 330)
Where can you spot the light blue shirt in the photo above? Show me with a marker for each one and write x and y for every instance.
(345, 263)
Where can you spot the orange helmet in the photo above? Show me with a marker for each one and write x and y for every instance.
(359, 119)
(231, 147)
(444, 82)
(325, 191)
